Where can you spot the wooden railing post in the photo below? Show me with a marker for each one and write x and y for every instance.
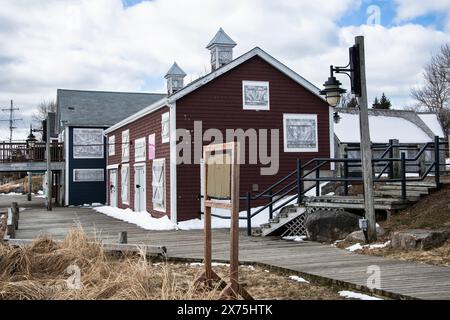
(403, 174)
(422, 163)
(15, 214)
(396, 154)
(437, 162)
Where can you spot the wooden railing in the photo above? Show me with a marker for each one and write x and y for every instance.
(21, 152)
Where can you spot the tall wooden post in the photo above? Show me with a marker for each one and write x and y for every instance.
(30, 185)
(49, 169)
(366, 151)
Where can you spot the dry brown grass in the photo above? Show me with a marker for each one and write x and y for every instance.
(39, 272)
(21, 185)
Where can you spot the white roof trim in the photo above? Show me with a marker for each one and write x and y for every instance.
(153, 107)
(213, 75)
(254, 52)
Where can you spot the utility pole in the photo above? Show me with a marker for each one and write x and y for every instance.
(11, 120)
(366, 150)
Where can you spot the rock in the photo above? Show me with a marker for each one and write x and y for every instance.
(330, 225)
(358, 236)
(419, 239)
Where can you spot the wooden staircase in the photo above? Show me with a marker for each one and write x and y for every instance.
(388, 197)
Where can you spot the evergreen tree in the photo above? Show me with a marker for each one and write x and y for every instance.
(385, 103)
(376, 103)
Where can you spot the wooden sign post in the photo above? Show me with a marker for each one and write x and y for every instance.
(221, 190)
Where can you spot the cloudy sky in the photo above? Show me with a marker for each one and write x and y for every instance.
(128, 45)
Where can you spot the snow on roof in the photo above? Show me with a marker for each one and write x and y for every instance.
(382, 128)
(433, 123)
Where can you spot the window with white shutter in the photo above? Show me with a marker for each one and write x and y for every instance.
(125, 146)
(165, 130)
(139, 149)
(112, 145)
(158, 185)
(125, 185)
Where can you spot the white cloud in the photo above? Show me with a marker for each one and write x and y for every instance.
(410, 9)
(100, 45)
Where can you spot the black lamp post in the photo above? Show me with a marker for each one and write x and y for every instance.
(356, 71)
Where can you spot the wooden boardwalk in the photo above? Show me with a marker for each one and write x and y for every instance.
(323, 262)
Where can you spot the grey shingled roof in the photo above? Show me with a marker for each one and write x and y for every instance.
(100, 108)
(221, 38)
(175, 70)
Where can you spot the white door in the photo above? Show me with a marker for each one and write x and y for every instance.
(113, 193)
(159, 185)
(139, 189)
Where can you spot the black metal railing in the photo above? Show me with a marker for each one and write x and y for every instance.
(390, 168)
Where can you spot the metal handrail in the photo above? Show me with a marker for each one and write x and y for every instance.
(307, 175)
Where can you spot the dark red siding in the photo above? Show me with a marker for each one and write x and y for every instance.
(143, 127)
(218, 104)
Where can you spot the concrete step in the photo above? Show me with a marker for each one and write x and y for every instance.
(398, 193)
(409, 190)
(286, 215)
(414, 183)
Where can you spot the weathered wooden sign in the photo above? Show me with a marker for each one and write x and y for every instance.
(221, 182)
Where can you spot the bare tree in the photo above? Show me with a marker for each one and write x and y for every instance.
(40, 114)
(348, 100)
(434, 95)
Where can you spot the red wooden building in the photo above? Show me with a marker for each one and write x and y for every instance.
(253, 91)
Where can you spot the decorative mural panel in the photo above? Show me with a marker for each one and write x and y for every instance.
(255, 95)
(88, 175)
(151, 147)
(87, 143)
(300, 133)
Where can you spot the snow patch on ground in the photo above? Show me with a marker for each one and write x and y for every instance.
(12, 194)
(356, 295)
(295, 238)
(298, 279)
(213, 264)
(358, 246)
(141, 219)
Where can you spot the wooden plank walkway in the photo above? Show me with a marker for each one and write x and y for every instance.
(398, 279)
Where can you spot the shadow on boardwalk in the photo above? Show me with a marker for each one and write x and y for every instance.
(325, 263)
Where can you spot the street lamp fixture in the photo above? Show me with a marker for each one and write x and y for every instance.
(31, 139)
(333, 90)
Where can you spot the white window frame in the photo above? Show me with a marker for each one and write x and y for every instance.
(87, 170)
(165, 121)
(140, 143)
(287, 116)
(112, 145)
(122, 171)
(158, 207)
(255, 83)
(99, 132)
(126, 146)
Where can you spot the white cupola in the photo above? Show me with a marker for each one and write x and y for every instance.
(221, 47)
(175, 78)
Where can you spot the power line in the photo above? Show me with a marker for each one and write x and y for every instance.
(11, 120)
